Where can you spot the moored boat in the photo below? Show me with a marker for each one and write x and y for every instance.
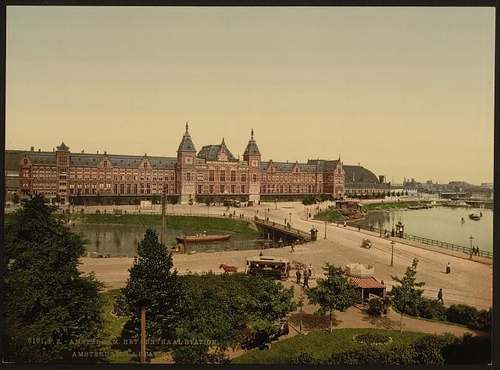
(202, 238)
(474, 216)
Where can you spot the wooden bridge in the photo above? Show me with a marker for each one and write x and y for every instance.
(275, 231)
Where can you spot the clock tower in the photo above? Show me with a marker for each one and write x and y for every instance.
(185, 168)
(252, 157)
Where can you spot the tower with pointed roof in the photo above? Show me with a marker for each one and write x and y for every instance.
(185, 169)
(252, 157)
(339, 180)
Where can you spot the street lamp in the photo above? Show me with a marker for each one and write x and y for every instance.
(290, 214)
(326, 222)
(392, 253)
(470, 238)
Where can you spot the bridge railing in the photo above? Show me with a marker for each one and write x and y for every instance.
(284, 228)
(433, 242)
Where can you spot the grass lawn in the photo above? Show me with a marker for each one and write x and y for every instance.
(189, 223)
(320, 344)
(330, 215)
(392, 205)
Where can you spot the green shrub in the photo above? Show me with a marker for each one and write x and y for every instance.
(308, 200)
(469, 316)
(364, 355)
(400, 355)
(462, 314)
(375, 307)
(428, 350)
(484, 321)
(431, 309)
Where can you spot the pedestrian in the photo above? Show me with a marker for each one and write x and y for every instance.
(440, 296)
(293, 248)
(306, 279)
(285, 220)
(261, 254)
(448, 268)
(298, 274)
(310, 270)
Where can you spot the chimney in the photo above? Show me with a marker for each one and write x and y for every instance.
(32, 148)
(39, 149)
(53, 149)
(97, 152)
(83, 151)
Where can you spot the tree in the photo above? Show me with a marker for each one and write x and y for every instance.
(154, 284)
(53, 311)
(407, 296)
(333, 293)
(223, 311)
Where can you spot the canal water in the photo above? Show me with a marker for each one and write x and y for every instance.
(438, 223)
(122, 240)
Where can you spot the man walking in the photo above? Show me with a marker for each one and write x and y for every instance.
(297, 273)
(440, 296)
(306, 279)
(448, 268)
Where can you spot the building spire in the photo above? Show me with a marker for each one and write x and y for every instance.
(223, 143)
(251, 134)
(187, 127)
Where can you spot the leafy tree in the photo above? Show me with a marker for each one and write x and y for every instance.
(224, 311)
(53, 311)
(154, 284)
(407, 296)
(333, 293)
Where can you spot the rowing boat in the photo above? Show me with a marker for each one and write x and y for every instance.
(202, 238)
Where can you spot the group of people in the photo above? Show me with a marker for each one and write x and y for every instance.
(304, 274)
(474, 251)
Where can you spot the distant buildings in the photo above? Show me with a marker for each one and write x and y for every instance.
(211, 173)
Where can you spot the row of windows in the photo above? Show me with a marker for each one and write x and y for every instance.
(222, 176)
(221, 189)
(288, 188)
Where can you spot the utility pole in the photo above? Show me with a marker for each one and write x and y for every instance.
(163, 215)
(392, 253)
(143, 334)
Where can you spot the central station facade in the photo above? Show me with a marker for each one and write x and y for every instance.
(192, 176)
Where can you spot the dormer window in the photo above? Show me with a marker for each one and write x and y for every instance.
(105, 164)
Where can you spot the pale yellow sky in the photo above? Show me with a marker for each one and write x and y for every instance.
(403, 91)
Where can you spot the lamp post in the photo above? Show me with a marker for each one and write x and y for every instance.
(290, 214)
(470, 238)
(326, 222)
(392, 253)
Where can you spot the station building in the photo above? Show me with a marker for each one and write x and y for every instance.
(211, 173)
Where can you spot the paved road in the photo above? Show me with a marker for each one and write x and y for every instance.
(470, 282)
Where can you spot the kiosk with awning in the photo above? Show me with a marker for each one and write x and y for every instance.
(362, 276)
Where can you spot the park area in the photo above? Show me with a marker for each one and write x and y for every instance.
(194, 313)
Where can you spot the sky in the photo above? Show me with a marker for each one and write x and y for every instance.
(405, 92)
